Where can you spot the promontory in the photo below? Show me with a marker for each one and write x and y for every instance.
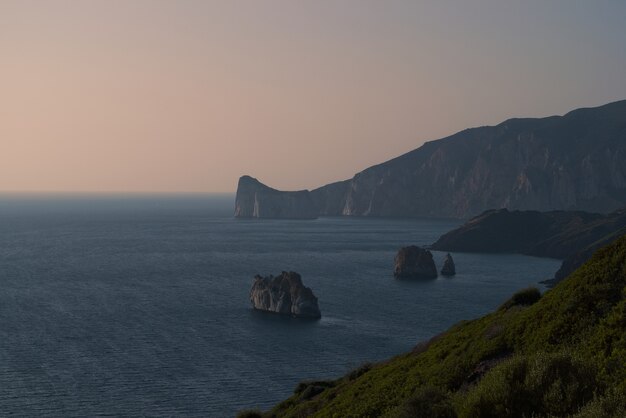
(570, 162)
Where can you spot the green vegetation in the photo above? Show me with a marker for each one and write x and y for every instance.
(557, 355)
(524, 297)
(543, 384)
(250, 413)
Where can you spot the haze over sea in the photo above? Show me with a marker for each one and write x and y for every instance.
(138, 305)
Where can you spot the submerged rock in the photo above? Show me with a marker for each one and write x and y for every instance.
(414, 263)
(448, 268)
(284, 294)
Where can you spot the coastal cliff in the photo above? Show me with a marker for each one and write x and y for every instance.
(543, 234)
(570, 162)
(567, 235)
(256, 200)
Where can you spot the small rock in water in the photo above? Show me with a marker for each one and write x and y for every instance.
(448, 268)
(414, 263)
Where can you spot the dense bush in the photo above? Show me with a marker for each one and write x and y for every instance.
(250, 413)
(309, 389)
(312, 391)
(359, 371)
(612, 405)
(303, 386)
(524, 297)
(428, 402)
(546, 384)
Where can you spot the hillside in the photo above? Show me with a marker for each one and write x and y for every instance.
(525, 232)
(570, 162)
(568, 235)
(559, 354)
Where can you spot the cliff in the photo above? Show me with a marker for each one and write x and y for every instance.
(570, 162)
(256, 200)
(560, 354)
(543, 234)
(590, 238)
(568, 235)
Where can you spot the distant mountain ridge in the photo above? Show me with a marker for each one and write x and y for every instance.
(570, 162)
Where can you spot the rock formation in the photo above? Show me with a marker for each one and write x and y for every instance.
(526, 232)
(448, 268)
(284, 294)
(570, 162)
(256, 200)
(414, 263)
(568, 235)
(572, 262)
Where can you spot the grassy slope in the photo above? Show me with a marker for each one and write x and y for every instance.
(578, 328)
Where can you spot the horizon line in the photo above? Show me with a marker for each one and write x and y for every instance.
(109, 193)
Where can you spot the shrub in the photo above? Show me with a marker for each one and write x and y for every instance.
(250, 413)
(360, 371)
(612, 405)
(544, 384)
(310, 389)
(424, 345)
(428, 402)
(524, 297)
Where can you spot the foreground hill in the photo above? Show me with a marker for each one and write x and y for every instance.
(572, 236)
(560, 354)
(570, 162)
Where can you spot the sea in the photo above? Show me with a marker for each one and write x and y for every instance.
(138, 305)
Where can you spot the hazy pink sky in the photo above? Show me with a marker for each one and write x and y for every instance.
(186, 96)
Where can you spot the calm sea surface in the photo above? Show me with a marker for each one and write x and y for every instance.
(138, 305)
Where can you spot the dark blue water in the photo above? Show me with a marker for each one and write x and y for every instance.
(139, 305)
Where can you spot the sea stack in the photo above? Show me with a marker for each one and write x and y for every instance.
(448, 268)
(414, 263)
(285, 295)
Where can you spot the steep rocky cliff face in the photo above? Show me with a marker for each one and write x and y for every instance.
(256, 200)
(571, 162)
(331, 199)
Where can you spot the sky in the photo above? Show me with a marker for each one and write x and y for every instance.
(186, 96)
